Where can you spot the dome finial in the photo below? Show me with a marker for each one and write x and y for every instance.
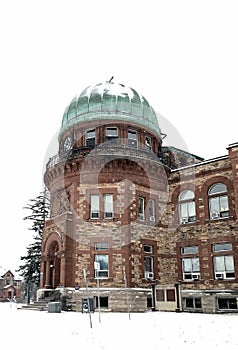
(111, 79)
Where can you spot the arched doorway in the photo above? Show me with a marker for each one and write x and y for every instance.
(53, 265)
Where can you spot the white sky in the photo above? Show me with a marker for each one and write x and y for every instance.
(181, 55)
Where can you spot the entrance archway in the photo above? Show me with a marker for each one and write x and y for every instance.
(53, 265)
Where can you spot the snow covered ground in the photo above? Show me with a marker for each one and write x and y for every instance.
(151, 331)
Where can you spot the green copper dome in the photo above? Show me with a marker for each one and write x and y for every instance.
(112, 102)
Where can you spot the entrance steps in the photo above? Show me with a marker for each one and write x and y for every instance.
(40, 305)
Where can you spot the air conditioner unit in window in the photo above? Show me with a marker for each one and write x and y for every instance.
(219, 275)
(141, 217)
(149, 275)
(152, 219)
(215, 215)
(195, 276)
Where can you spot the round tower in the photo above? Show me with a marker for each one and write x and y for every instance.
(108, 190)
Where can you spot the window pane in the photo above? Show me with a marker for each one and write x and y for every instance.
(191, 265)
(189, 302)
(183, 210)
(221, 247)
(90, 134)
(148, 266)
(101, 246)
(189, 250)
(141, 208)
(132, 135)
(148, 142)
(112, 135)
(214, 207)
(219, 263)
(159, 294)
(191, 209)
(187, 265)
(151, 208)
(94, 201)
(108, 205)
(224, 203)
(90, 137)
(102, 260)
(112, 132)
(170, 294)
(132, 138)
(148, 249)
(195, 265)
(187, 194)
(198, 303)
(229, 263)
(217, 188)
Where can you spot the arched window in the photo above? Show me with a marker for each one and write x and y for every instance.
(187, 212)
(218, 201)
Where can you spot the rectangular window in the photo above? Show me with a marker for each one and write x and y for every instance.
(219, 207)
(170, 294)
(108, 206)
(192, 303)
(148, 249)
(112, 135)
(148, 267)
(224, 267)
(191, 268)
(94, 206)
(132, 138)
(152, 210)
(148, 143)
(103, 302)
(90, 138)
(227, 303)
(221, 247)
(141, 209)
(101, 246)
(189, 250)
(102, 260)
(160, 295)
(187, 212)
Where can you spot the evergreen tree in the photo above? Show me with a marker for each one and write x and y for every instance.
(30, 269)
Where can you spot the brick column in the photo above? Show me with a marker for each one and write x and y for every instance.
(233, 155)
(47, 273)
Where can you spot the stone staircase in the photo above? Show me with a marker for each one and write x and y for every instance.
(40, 305)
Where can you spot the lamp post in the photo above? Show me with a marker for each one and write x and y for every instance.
(97, 268)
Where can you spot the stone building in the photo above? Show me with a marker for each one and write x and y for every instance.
(153, 226)
(10, 286)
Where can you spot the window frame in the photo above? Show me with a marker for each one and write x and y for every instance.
(183, 206)
(218, 196)
(132, 141)
(88, 139)
(151, 210)
(224, 253)
(97, 272)
(148, 261)
(190, 253)
(141, 208)
(148, 143)
(97, 210)
(112, 139)
(101, 208)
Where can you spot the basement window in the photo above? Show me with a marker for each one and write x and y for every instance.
(192, 303)
(227, 303)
